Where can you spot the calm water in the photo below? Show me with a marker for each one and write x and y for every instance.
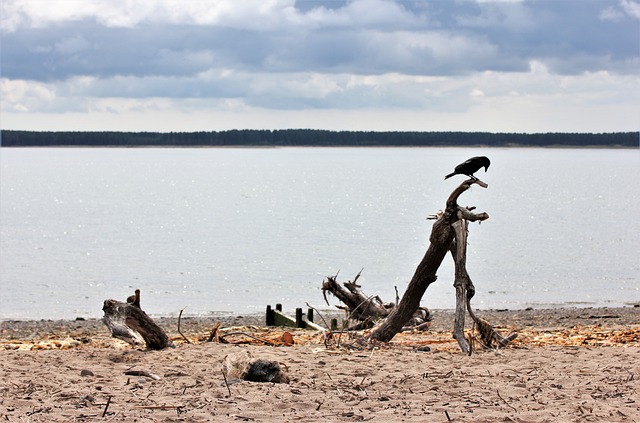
(232, 230)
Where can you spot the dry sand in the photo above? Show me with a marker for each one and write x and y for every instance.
(566, 365)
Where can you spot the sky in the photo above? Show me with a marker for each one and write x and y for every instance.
(363, 65)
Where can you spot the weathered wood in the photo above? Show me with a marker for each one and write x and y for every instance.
(277, 318)
(488, 334)
(270, 316)
(448, 234)
(465, 292)
(127, 321)
(364, 309)
(356, 303)
(461, 280)
(442, 235)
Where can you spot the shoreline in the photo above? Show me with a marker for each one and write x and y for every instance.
(275, 146)
(331, 311)
(442, 321)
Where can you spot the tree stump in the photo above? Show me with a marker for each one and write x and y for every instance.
(128, 322)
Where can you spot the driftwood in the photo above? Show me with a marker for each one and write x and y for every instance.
(465, 292)
(128, 322)
(365, 310)
(448, 234)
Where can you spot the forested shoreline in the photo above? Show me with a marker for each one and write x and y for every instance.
(313, 138)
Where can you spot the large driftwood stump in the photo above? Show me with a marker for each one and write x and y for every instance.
(128, 322)
(448, 234)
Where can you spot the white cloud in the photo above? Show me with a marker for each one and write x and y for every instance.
(25, 96)
(246, 14)
(611, 14)
(618, 12)
(631, 8)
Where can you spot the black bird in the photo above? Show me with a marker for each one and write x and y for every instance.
(470, 167)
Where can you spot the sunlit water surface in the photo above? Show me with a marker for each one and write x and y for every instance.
(232, 230)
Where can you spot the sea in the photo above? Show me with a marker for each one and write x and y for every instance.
(232, 230)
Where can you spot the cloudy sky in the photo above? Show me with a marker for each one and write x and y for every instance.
(405, 65)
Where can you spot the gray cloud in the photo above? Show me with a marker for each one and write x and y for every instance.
(288, 55)
(454, 38)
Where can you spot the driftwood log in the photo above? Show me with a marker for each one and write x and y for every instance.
(366, 310)
(448, 234)
(128, 322)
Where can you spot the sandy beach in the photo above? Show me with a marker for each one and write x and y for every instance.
(565, 365)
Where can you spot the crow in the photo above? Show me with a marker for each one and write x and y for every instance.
(470, 167)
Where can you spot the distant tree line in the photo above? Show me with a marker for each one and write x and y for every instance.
(313, 137)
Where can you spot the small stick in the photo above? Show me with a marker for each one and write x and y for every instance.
(106, 407)
(158, 407)
(247, 335)
(447, 414)
(324, 332)
(214, 335)
(471, 338)
(508, 405)
(142, 373)
(226, 383)
(319, 314)
(180, 317)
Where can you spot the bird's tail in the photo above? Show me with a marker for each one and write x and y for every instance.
(449, 175)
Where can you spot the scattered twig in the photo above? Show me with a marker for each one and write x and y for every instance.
(39, 410)
(215, 333)
(471, 338)
(325, 333)
(247, 335)
(446, 413)
(365, 301)
(226, 383)
(142, 373)
(159, 407)
(179, 331)
(373, 349)
(508, 405)
(106, 406)
(319, 314)
(416, 327)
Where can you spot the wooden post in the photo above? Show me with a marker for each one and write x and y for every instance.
(270, 318)
(299, 321)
